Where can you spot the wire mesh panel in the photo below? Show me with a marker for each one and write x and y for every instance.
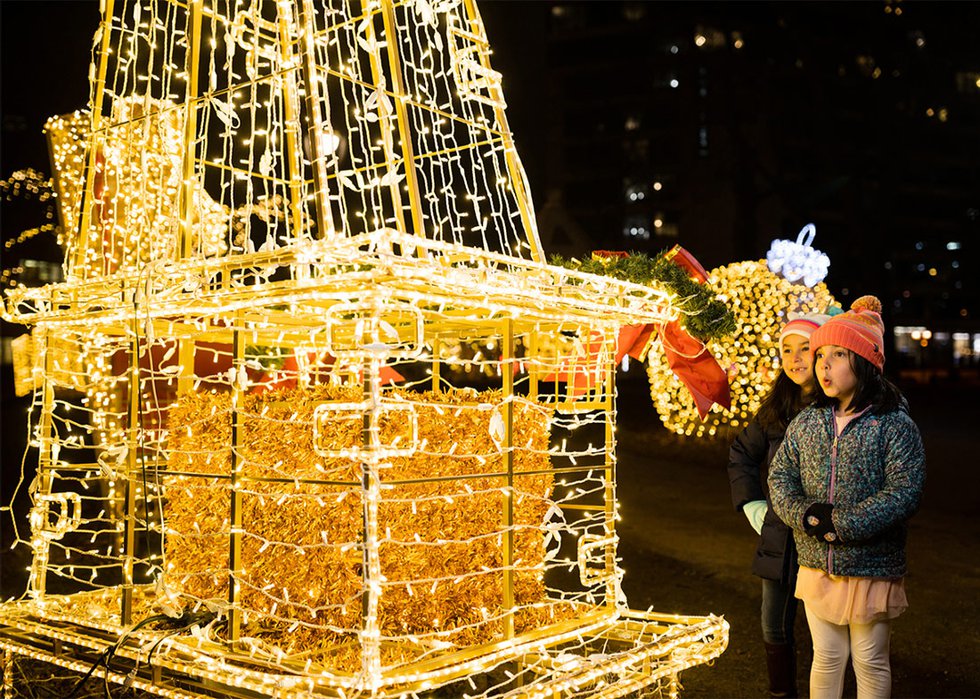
(313, 416)
(242, 126)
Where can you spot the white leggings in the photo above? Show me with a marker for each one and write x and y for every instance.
(866, 643)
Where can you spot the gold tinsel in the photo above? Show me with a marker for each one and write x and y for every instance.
(440, 541)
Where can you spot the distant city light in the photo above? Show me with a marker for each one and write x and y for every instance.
(674, 82)
(700, 40)
(951, 245)
(657, 186)
(933, 272)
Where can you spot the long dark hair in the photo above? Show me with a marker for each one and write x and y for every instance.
(873, 389)
(784, 400)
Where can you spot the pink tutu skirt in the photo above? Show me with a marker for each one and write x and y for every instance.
(843, 600)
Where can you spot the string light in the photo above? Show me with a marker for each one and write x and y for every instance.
(261, 303)
(760, 300)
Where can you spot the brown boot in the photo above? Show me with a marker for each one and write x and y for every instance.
(781, 661)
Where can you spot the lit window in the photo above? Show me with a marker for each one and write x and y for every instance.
(963, 348)
(909, 338)
(663, 228)
(636, 192)
(636, 228)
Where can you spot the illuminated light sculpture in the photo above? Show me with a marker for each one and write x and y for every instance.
(798, 262)
(276, 220)
(760, 293)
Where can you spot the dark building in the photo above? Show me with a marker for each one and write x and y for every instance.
(721, 126)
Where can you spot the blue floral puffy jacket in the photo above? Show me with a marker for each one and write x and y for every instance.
(872, 472)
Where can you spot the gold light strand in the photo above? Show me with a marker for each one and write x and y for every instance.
(445, 515)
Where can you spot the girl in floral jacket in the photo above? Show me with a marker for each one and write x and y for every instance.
(846, 479)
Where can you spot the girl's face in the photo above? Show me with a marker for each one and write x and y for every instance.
(797, 360)
(835, 374)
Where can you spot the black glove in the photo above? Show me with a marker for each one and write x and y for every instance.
(818, 521)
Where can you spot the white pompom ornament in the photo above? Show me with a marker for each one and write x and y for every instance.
(798, 262)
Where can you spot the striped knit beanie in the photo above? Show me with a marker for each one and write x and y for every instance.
(859, 330)
(802, 324)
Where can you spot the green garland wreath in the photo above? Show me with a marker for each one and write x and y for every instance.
(705, 317)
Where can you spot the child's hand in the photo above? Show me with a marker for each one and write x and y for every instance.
(818, 521)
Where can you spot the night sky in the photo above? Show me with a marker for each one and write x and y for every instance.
(44, 57)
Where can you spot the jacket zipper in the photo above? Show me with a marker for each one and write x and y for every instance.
(833, 483)
(833, 472)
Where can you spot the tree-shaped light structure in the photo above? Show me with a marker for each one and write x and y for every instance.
(255, 476)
